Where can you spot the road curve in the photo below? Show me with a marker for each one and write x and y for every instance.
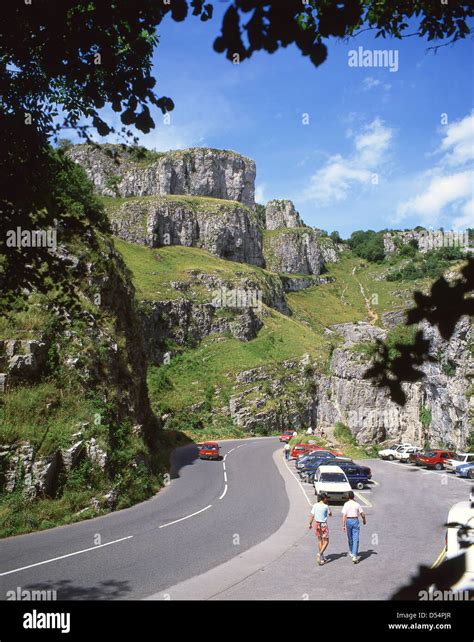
(211, 512)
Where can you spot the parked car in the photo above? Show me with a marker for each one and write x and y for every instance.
(332, 480)
(435, 458)
(209, 450)
(308, 470)
(465, 470)
(309, 461)
(305, 449)
(403, 454)
(389, 453)
(458, 460)
(414, 457)
(358, 475)
(286, 436)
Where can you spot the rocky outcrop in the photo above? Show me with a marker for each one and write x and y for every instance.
(44, 477)
(294, 251)
(228, 230)
(183, 323)
(22, 361)
(197, 171)
(425, 240)
(436, 411)
(281, 213)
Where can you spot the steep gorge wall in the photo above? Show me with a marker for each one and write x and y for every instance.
(227, 229)
(197, 171)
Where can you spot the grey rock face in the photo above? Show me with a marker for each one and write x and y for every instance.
(371, 415)
(23, 360)
(198, 171)
(294, 251)
(425, 239)
(186, 323)
(281, 213)
(228, 230)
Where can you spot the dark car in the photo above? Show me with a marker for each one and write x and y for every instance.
(311, 458)
(308, 467)
(357, 475)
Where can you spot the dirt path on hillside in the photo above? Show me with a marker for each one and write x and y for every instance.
(373, 315)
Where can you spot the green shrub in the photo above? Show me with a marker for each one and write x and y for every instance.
(343, 434)
(426, 416)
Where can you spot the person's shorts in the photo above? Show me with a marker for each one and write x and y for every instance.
(322, 530)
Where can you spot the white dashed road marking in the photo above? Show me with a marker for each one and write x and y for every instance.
(61, 557)
(187, 516)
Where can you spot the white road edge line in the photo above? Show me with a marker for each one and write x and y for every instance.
(223, 465)
(299, 483)
(61, 557)
(187, 516)
(225, 476)
(362, 499)
(223, 494)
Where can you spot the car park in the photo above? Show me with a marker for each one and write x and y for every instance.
(403, 454)
(333, 481)
(465, 470)
(435, 458)
(209, 450)
(458, 460)
(389, 453)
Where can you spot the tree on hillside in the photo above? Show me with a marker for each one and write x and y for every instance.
(62, 61)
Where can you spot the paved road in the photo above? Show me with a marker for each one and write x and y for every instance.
(232, 504)
(406, 510)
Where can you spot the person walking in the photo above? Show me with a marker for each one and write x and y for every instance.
(320, 513)
(286, 449)
(351, 511)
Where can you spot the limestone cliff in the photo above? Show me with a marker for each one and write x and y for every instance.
(121, 171)
(281, 213)
(226, 228)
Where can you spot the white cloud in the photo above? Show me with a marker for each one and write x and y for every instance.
(370, 82)
(260, 195)
(458, 143)
(466, 216)
(341, 175)
(445, 193)
(441, 191)
(166, 137)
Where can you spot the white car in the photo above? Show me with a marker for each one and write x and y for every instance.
(332, 480)
(461, 515)
(389, 453)
(458, 460)
(403, 454)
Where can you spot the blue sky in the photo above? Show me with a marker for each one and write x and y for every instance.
(381, 148)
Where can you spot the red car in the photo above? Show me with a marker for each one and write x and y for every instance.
(435, 458)
(209, 450)
(304, 449)
(286, 436)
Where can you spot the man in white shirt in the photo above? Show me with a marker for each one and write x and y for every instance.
(351, 511)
